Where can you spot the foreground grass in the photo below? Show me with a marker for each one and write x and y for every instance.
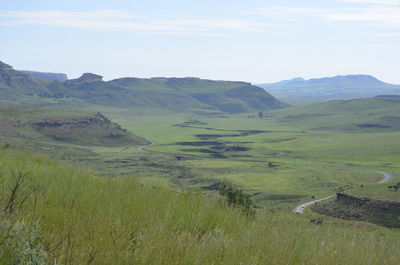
(74, 217)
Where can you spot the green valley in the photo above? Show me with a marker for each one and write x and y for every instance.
(141, 162)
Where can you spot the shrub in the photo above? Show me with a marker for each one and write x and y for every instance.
(395, 187)
(237, 197)
(21, 244)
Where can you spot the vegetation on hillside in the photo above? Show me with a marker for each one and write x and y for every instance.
(57, 126)
(70, 216)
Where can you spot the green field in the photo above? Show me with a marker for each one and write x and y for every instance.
(281, 161)
(303, 156)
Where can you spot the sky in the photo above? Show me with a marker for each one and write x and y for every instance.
(254, 40)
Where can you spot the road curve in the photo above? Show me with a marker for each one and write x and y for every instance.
(386, 178)
(149, 143)
(300, 209)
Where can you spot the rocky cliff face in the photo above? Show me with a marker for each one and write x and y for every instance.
(367, 202)
(349, 207)
(84, 79)
(4, 66)
(90, 130)
(46, 76)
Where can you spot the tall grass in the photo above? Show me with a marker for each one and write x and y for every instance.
(83, 219)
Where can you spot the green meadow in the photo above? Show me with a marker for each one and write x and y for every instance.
(281, 162)
(287, 157)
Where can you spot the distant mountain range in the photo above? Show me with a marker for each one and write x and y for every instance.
(172, 94)
(299, 91)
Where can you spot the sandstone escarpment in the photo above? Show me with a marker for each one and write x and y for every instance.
(367, 202)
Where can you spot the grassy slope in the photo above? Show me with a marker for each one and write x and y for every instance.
(344, 114)
(42, 127)
(381, 192)
(84, 219)
(338, 121)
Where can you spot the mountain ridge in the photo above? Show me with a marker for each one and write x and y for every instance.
(175, 94)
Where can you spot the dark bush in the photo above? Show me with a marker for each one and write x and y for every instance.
(395, 187)
(237, 197)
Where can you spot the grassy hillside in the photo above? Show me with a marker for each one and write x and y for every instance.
(190, 95)
(62, 215)
(14, 84)
(56, 126)
(378, 114)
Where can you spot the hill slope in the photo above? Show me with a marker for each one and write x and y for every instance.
(172, 94)
(380, 113)
(70, 216)
(298, 91)
(49, 125)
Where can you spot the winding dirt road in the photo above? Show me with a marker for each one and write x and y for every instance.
(386, 178)
(149, 143)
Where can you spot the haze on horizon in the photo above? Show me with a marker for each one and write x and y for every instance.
(257, 41)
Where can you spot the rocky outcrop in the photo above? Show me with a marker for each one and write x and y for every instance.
(87, 130)
(95, 121)
(84, 79)
(4, 66)
(367, 202)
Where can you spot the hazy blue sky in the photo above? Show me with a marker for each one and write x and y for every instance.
(254, 40)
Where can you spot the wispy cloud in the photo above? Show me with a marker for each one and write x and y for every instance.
(382, 16)
(386, 34)
(273, 18)
(376, 2)
(114, 20)
(377, 45)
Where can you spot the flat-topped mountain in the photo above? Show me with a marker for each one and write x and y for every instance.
(300, 91)
(172, 94)
(46, 76)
